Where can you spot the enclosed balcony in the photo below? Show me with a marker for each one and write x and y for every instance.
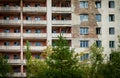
(36, 45)
(61, 19)
(64, 31)
(39, 19)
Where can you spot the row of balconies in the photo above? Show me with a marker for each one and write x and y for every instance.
(32, 35)
(34, 22)
(35, 9)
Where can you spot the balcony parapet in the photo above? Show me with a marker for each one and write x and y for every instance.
(36, 48)
(10, 22)
(34, 9)
(10, 35)
(61, 9)
(34, 22)
(9, 48)
(67, 35)
(9, 9)
(35, 35)
(14, 61)
(61, 22)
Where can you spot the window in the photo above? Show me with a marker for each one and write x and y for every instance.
(6, 5)
(28, 18)
(6, 56)
(16, 5)
(111, 4)
(37, 18)
(6, 18)
(38, 31)
(28, 31)
(16, 18)
(37, 44)
(6, 31)
(63, 31)
(6, 43)
(98, 4)
(111, 30)
(16, 69)
(98, 17)
(16, 31)
(16, 56)
(98, 30)
(37, 5)
(84, 57)
(111, 17)
(37, 56)
(83, 4)
(98, 43)
(111, 44)
(83, 30)
(54, 31)
(84, 43)
(16, 44)
(84, 17)
(27, 5)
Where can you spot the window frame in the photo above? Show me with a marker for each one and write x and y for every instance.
(84, 30)
(84, 43)
(83, 4)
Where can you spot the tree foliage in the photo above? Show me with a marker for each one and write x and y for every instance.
(62, 61)
(5, 68)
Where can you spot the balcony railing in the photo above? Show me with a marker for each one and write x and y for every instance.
(9, 48)
(35, 35)
(67, 35)
(9, 9)
(34, 9)
(61, 22)
(14, 61)
(10, 22)
(34, 22)
(62, 9)
(37, 48)
(10, 35)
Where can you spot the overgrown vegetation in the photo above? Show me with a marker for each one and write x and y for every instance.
(62, 62)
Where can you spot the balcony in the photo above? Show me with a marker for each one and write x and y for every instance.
(37, 48)
(66, 35)
(61, 9)
(10, 35)
(10, 22)
(19, 74)
(14, 61)
(34, 9)
(35, 35)
(61, 22)
(34, 22)
(10, 48)
(9, 9)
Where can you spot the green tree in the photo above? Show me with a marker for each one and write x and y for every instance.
(5, 68)
(28, 57)
(96, 61)
(62, 62)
